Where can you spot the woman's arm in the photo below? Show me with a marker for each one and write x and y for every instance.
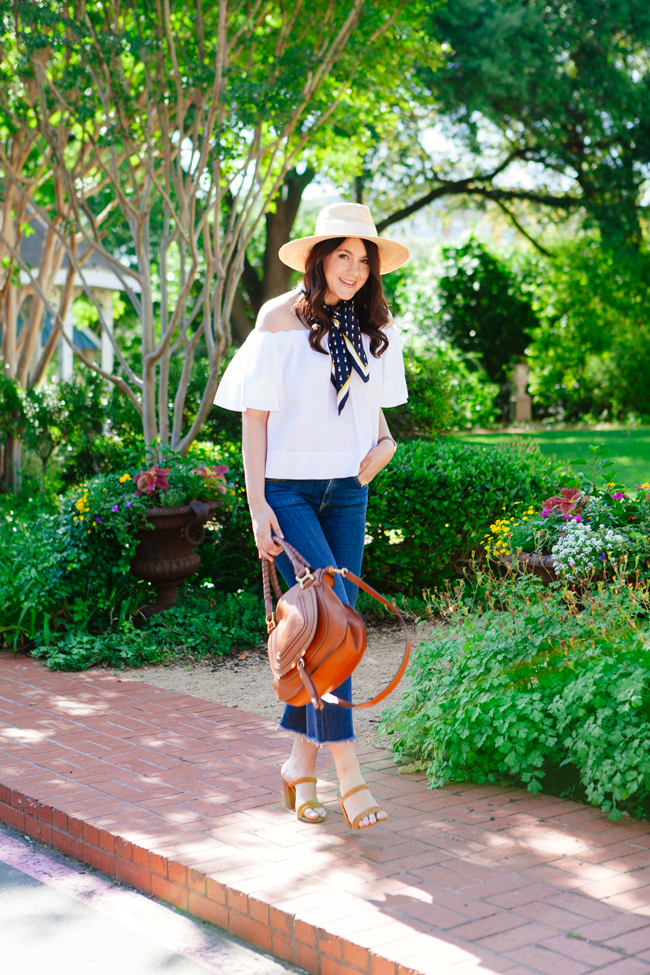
(265, 524)
(381, 455)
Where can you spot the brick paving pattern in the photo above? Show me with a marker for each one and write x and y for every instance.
(181, 798)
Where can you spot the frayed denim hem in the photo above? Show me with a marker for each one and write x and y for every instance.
(330, 741)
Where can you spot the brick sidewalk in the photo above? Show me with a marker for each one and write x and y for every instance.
(181, 797)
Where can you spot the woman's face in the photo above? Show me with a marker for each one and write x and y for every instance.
(346, 270)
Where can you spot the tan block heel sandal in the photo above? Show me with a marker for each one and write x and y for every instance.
(354, 824)
(290, 800)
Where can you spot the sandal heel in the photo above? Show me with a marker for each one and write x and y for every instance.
(289, 795)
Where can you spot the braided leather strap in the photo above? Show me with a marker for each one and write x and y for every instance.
(270, 576)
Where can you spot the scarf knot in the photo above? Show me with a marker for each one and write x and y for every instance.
(346, 350)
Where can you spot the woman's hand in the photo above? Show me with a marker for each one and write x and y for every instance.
(375, 461)
(265, 525)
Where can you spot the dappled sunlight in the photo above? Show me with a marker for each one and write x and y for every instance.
(26, 736)
(78, 709)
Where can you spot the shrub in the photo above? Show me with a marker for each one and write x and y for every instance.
(197, 626)
(540, 688)
(590, 357)
(447, 391)
(432, 506)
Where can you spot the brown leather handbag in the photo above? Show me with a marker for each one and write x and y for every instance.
(315, 641)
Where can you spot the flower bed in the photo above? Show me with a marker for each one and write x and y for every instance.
(583, 533)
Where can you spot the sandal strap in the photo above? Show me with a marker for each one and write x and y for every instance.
(309, 804)
(352, 792)
(366, 812)
(307, 778)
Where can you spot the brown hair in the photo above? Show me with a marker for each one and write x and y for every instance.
(369, 303)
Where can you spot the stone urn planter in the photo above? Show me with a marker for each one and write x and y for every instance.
(166, 554)
(539, 565)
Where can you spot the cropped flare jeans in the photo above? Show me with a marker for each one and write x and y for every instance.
(326, 522)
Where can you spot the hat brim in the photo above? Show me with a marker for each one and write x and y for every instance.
(391, 254)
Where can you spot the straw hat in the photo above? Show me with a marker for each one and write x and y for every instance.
(345, 220)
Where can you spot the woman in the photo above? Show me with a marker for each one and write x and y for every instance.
(311, 381)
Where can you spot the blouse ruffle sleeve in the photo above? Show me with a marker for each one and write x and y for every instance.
(394, 391)
(253, 377)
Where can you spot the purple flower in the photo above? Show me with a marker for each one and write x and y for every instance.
(98, 521)
(545, 514)
(115, 507)
(602, 557)
(128, 504)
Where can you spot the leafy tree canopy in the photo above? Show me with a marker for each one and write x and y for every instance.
(566, 85)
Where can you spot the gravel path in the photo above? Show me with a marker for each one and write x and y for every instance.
(244, 681)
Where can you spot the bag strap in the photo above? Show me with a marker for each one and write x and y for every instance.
(332, 698)
(301, 569)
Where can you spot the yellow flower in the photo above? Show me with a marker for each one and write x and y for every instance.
(88, 531)
(125, 477)
(645, 486)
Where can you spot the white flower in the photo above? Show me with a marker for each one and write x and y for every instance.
(582, 549)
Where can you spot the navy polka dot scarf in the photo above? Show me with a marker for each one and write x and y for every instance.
(346, 349)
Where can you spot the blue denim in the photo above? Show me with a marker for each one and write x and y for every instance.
(326, 522)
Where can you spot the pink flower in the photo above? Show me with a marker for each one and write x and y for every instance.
(155, 479)
(618, 496)
(571, 499)
(578, 518)
(212, 475)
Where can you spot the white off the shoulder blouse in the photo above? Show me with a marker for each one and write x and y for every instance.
(306, 436)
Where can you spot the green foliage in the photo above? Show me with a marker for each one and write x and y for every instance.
(448, 388)
(197, 626)
(69, 570)
(556, 83)
(444, 394)
(430, 508)
(482, 310)
(590, 357)
(12, 408)
(529, 682)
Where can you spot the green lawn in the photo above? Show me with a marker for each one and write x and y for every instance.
(630, 448)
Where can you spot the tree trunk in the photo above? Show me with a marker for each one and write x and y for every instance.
(240, 321)
(278, 228)
(11, 479)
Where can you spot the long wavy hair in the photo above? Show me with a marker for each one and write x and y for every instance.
(369, 303)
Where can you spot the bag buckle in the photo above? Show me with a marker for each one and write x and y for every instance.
(270, 623)
(304, 578)
(339, 572)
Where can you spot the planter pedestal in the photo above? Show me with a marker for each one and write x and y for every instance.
(165, 555)
(539, 565)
